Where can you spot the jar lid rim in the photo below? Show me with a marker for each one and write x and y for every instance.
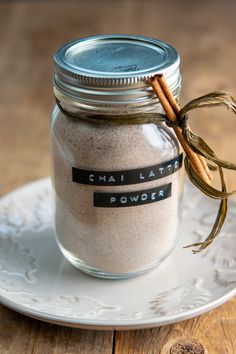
(115, 60)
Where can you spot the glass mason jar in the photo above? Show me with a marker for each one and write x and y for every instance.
(117, 185)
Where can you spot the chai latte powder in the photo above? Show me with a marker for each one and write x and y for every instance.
(116, 240)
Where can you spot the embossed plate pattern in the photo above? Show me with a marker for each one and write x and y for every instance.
(37, 281)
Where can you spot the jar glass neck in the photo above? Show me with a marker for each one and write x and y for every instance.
(76, 105)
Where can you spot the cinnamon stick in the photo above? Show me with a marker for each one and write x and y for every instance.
(176, 108)
(194, 158)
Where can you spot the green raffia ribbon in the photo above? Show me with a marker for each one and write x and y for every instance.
(195, 142)
(198, 145)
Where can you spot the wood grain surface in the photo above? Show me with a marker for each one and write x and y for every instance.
(30, 32)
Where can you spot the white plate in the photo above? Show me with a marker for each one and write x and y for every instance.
(37, 281)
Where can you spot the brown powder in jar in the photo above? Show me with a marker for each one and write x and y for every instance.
(114, 240)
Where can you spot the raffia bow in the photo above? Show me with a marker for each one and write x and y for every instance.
(198, 145)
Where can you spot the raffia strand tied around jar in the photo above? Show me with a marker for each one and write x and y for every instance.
(199, 146)
(196, 149)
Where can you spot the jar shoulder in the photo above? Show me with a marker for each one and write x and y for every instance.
(144, 144)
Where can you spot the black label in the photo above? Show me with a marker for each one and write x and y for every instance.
(117, 200)
(119, 178)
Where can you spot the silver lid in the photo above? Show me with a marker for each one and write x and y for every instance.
(113, 69)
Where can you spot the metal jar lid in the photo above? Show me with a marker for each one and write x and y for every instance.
(113, 69)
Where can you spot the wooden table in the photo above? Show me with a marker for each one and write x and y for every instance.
(30, 32)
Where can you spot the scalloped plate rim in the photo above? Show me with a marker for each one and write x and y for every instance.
(125, 324)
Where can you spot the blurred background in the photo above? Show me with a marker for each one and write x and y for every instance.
(204, 33)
